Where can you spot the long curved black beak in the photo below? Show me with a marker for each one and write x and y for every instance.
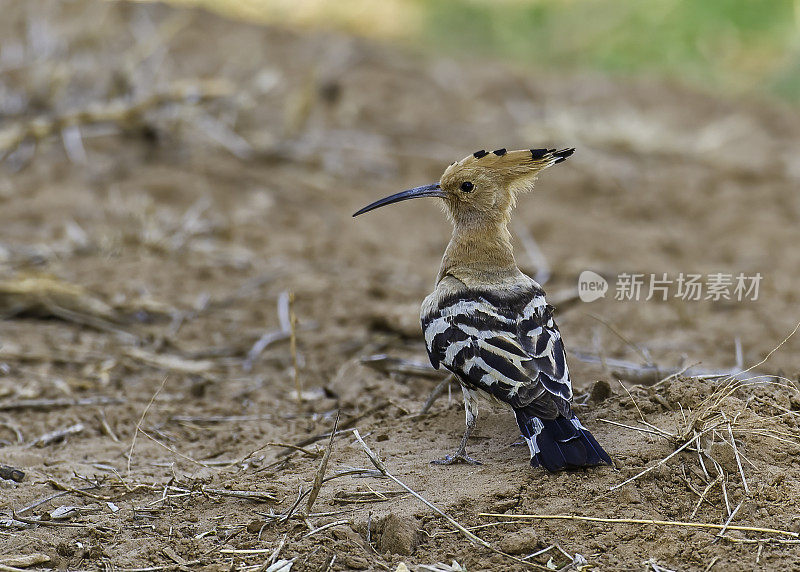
(415, 193)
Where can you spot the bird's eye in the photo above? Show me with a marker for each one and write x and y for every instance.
(467, 186)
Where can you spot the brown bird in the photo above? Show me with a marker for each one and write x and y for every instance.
(489, 323)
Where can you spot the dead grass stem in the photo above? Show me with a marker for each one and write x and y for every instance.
(323, 465)
(141, 420)
(378, 463)
(684, 524)
(298, 387)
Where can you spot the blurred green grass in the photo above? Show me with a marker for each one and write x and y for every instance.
(737, 46)
(725, 46)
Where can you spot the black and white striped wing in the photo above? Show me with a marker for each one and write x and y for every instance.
(510, 348)
(540, 337)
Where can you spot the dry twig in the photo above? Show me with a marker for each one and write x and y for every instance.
(38, 404)
(141, 420)
(643, 521)
(286, 331)
(386, 364)
(120, 111)
(293, 348)
(347, 424)
(435, 394)
(376, 461)
(57, 435)
(323, 465)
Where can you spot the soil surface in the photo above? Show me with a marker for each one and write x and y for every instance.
(172, 181)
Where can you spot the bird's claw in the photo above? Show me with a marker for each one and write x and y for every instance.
(456, 458)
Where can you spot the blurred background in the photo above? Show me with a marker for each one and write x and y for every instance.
(121, 122)
(728, 46)
(176, 188)
(164, 156)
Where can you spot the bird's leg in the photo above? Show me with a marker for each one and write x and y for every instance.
(460, 456)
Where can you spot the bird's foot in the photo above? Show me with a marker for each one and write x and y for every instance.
(457, 457)
(521, 443)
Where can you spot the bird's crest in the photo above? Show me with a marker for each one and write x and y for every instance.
(482, 186)
(487, 182)
(515, 170)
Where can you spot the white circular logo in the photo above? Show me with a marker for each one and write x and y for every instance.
(591, 286)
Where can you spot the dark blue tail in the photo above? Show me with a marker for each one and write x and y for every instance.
(561, 443)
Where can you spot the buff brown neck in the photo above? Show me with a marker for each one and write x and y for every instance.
(479, 252)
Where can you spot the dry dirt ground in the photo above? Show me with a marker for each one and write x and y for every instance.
(169, 177)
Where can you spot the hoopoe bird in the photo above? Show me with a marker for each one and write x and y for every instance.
(489, 323)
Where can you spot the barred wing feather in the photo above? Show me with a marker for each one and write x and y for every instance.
(510, 348)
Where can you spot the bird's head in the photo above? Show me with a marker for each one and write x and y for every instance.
(483, 186)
